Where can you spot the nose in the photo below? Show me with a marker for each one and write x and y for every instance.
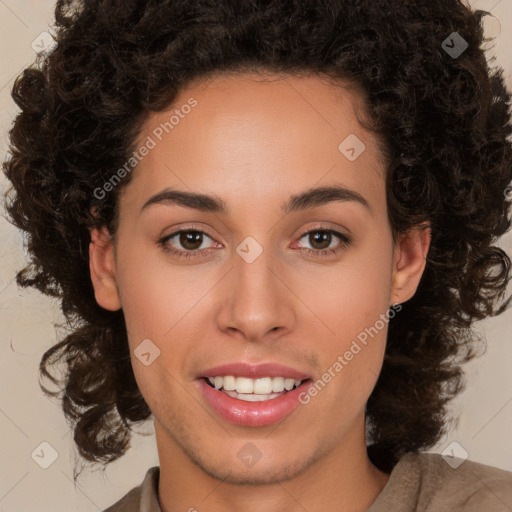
(258, 302)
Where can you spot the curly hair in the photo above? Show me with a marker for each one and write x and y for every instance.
(444, 123)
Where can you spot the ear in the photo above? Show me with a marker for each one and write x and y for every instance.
(102, 266)
(409, 262)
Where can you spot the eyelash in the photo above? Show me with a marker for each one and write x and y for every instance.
(344, 243)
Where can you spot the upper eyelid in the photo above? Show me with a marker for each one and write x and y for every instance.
(336, 232)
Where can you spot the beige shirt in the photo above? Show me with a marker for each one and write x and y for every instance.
(418, 483)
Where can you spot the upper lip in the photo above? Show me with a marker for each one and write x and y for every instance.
(255, 371)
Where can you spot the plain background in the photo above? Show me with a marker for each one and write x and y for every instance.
(28, 418)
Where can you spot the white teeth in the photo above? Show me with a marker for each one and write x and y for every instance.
(244, 385)
(252, 397)
(288, 384)
(229, 383)
(217, 382)
(264, 386)
(277, 384)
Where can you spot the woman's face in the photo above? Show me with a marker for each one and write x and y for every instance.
(274, 274)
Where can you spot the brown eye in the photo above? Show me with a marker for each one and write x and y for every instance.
(187, 244)
(321, 240)
(191, 240)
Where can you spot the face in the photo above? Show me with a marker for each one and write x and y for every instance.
(268, 279)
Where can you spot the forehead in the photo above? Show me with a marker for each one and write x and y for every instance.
(235, 133)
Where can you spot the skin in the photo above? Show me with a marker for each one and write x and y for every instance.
(254, 143)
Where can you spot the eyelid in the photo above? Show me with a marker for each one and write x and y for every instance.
(193, 227)
(187, 227)
(344, 240)
(323, 227)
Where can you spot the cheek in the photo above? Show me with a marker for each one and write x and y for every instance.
(166, 305)
(353, 304)
(156, 296)
(350, 295)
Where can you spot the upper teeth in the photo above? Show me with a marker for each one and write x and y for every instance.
(263, 386)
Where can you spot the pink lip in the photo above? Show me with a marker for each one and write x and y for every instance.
(255, 371)
(252, 414)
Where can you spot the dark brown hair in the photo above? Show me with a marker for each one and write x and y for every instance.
(444, 120)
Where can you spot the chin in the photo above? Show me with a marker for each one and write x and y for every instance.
(260, 473)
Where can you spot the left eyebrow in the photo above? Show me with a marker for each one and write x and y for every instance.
(322, 195)
(310, 198)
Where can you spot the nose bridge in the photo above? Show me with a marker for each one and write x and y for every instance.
(253, 269)
(258, 301)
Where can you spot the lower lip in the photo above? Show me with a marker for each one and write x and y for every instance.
(252, 414)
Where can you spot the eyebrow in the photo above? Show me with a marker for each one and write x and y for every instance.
(310, 198)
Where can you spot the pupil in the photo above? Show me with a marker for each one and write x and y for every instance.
(322, 234)
(188, 237)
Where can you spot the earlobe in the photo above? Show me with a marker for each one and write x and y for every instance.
(409, 262)
(102, 267)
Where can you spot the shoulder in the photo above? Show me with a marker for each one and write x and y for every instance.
(141, 498)
(426, 482)
(468, 487)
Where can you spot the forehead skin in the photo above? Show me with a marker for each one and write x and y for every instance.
(300, 121)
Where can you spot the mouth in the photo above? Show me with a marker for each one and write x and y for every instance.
(253, 390)
(253, 395)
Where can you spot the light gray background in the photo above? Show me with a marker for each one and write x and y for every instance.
(27, 418)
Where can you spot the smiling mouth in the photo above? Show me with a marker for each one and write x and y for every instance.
(253, 390)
